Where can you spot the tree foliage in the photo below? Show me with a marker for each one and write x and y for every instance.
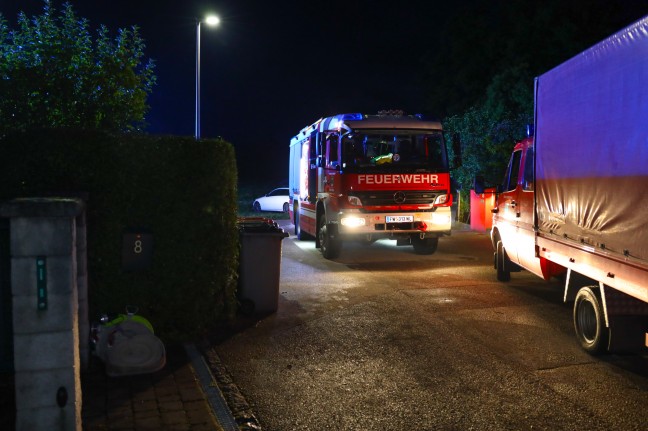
(489, 129)
(480, 40)
(53, 73)
(480, 76)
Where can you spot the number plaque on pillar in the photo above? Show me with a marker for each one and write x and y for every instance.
(137, 250)
(41, 282)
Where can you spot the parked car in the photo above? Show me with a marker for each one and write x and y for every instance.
(276, 200)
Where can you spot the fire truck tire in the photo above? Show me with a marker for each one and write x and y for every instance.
(329, 245)
(589, 321)
(425, 245)
(500, 263)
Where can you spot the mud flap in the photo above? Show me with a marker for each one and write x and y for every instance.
(628, 333)
(627, 320)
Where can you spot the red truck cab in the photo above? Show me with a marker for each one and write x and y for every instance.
(513, 219)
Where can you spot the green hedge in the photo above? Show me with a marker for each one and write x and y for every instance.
(181, 190)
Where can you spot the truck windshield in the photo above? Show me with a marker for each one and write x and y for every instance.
(389, 150)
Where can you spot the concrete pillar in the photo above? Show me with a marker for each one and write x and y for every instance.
(82, 288)
(6, 327)
(45, 312)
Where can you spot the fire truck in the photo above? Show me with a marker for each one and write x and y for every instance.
(369, 177)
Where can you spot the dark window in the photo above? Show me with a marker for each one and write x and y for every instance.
(513, 172)
(332, 143)
(278, 192)
(394, 150)
(528, 170)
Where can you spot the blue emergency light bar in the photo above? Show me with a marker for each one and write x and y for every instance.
(350, 117)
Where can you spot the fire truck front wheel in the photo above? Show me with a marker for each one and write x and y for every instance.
(330, 245)
(424, 245)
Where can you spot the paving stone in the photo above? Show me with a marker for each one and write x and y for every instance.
(145, 395)
(172, 418)
(195, 405)
(139, 406)
(122, 423)
(170, 405)
(201, 416)
(118, 404)
(170, 399)
(167, 391)
(146, 423)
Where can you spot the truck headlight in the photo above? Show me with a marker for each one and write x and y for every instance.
(440, 218)
(441, 199)
(353, 221)
(355, 201)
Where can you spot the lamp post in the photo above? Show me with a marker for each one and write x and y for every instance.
(211, 20)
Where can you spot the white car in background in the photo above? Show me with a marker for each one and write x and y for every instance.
(276, 200)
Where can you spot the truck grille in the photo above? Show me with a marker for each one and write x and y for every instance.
(405, 197)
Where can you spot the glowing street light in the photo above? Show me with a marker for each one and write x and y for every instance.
(212, 21)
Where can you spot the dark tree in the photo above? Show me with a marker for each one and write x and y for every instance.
(483, 39)
(481, 76)
(53, 73)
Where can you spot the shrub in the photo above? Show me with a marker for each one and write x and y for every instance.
(181, 190)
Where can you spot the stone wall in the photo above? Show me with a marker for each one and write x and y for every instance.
(46, 236)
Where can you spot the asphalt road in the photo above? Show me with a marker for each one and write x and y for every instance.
(384, 339)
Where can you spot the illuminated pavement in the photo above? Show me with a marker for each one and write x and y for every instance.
(384, 339)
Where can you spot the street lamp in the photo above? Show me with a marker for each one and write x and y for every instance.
(212, 21)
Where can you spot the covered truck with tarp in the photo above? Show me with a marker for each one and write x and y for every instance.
(574, 200)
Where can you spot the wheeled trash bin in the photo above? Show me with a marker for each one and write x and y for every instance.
(259, 264)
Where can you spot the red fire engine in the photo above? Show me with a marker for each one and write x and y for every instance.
(368, 177)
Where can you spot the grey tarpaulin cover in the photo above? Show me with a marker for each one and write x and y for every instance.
(592, 146)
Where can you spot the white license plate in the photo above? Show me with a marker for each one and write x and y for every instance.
(399, 219)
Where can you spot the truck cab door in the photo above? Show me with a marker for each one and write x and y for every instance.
(526, 226)
(507, 216)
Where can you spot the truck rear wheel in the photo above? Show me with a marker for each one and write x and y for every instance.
(424, 245)
(330, 246)
(589, 321)
(503, 274)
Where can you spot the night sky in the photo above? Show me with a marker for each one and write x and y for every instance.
(273, 67)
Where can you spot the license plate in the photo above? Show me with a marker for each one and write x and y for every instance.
(399, 219)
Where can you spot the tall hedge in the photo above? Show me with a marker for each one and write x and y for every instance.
(180, 190)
